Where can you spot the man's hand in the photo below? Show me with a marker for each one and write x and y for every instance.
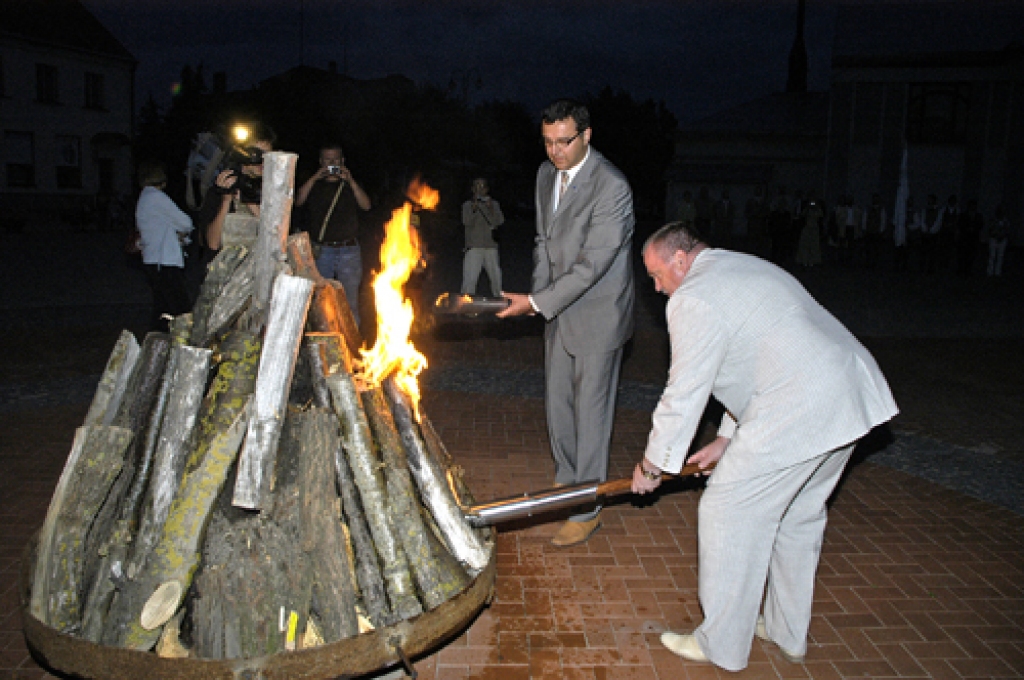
(709, 455)
(226, 179)
(519, 304)
(642, 483)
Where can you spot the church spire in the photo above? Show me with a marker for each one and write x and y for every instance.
(797, 80)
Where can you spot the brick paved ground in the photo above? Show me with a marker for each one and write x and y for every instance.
(917, 580)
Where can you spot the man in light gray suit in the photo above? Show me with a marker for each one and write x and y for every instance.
(583, 286)
(799, 390)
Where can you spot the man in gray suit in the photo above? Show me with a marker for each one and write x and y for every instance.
(583, 286)
(799, 391)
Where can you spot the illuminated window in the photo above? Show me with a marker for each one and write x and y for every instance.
(937, 112)
(19, 153)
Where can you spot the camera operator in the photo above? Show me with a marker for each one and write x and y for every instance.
(481, 215)
(236, 189)
(332, 199)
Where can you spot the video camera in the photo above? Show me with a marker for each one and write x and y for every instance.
(213, 153)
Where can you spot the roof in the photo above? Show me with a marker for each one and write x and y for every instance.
(785, 113)
(59, 23)
(947, 32)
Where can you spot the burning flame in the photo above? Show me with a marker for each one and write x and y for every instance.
(400, 254)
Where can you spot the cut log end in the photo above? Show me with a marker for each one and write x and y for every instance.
(161, 605)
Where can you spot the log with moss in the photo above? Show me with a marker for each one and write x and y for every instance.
(95, 460)
(218, 273)
(113, 381)
(358, 444)
(438, 575)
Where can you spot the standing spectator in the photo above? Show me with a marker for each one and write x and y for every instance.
(756, 212)
(333, 199)
(779, 224)
(583, 287)
(688, 211)
(799, 392)
(163, 229)
(725, 217)
(931, 225)
(808, 251)
(998, 237)
(968, 232)
(704, 213)
(481, 215)
(946, 243)
(906, 237)
(875, 223)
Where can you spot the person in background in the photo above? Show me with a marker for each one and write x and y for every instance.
(998, 237)
(332, 199)
(163, 230)
(481, 215)
(799, 392)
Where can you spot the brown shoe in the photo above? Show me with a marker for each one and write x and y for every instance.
(573, 533)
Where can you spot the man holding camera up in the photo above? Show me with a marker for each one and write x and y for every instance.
(331, 197)
(481, 215)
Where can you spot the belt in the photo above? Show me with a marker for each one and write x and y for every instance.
(347, 243)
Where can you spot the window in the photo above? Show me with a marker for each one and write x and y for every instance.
(94, 91)
(19, 150)
(69, 162)
(937, 112)
(46, 84)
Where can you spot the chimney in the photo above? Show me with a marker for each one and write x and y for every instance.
(797, 80)
(332, 67)
(220, 82)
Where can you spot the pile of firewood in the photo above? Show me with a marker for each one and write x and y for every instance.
(235, 491)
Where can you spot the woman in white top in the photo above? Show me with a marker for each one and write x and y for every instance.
(163, 226)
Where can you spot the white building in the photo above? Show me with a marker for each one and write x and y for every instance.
(66, 114)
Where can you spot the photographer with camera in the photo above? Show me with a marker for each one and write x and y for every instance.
(332, 199)
(481, 215)
(237, 188)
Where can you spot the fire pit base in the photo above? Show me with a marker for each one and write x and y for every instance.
(347, 658)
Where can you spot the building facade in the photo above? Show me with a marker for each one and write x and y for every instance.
(66, 115)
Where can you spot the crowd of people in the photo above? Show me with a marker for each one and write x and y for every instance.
(799, 230)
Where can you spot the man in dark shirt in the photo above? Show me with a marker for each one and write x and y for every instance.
(332, 199)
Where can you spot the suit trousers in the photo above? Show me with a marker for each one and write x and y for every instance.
(762, 537)
(580, 403)
(477, 258)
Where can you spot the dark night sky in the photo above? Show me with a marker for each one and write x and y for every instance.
(696, 55)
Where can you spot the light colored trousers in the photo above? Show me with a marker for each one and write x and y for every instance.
(579, 399)
(996, 251)
(762, 537)
(475, 260)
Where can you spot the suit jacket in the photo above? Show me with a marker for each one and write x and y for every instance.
(796, 382)
(583, 262)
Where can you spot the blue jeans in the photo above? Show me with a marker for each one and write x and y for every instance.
(345, 265)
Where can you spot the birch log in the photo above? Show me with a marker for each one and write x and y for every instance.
(192, 365)
(438, 575)
(432, 482)
(275, 214)
(233, 300)
(162, 585)
(218, 273)
(299, 252)
(96, 457)
(284, 333)
(357, 442)
(114, 380)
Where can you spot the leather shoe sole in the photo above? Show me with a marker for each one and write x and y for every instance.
(683, 645)
(761, 631)
(573, 533)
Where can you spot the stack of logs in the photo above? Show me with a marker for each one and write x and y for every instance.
(235, 491)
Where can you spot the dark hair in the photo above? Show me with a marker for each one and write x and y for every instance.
(331, 146)
(261, 132)
(152, 174)
(567, 108)
(672, 237)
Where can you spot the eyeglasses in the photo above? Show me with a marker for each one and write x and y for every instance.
(559, 144)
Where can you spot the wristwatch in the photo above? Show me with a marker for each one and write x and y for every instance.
(653, 476)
